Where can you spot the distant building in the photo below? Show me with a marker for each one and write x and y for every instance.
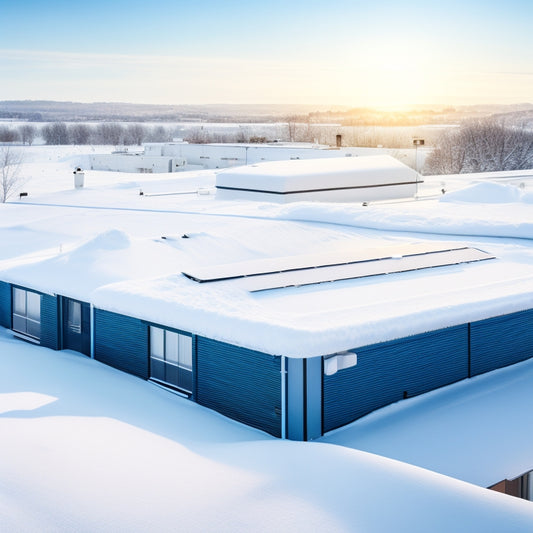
(340, 179)
(182, 156)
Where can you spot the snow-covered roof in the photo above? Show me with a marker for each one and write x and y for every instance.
(126, 253)
(317, 174)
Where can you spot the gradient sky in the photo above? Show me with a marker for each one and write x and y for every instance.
(357, 53)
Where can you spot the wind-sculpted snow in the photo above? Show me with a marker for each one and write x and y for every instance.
(88, 448)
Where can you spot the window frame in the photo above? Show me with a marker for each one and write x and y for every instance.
(74, 320)
(30, 315)
(178, 363)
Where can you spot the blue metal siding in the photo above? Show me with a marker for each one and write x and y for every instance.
(390, 371)
(5, 304)
(50, 321)
(242, 384)
(121, 342)
(501, 341)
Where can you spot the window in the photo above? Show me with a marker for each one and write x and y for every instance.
(74, 316)
(171, 358)
(27, 313)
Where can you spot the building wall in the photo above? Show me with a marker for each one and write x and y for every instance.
(5, 304)
(135, 163)
(246, 385)
(501, 341)
(50, 321)
(121, 342)
(213, 156)
(390, 371)
(230, 155)
(242, 384)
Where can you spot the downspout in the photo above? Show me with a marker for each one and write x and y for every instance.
(283, 398)
(91, 327)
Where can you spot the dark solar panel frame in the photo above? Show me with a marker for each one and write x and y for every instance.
(421, 257)
(275, 265)
(363, 269)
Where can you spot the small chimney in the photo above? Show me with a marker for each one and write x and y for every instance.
(79, 178)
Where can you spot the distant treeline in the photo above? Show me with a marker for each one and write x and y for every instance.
(113, 133)
(58, 133)
(51, 111)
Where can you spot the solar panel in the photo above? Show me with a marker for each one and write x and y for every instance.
(361, 270)
(273, 265)
(371, 265)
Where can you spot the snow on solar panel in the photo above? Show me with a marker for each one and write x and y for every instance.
(361, 270)
(277, 273)
(310, 261)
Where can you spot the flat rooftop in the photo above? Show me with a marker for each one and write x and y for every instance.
(127, 252)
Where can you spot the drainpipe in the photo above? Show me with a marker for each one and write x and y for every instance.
(283, 398)
(91, 313)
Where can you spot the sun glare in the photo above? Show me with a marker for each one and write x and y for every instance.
(389, 77)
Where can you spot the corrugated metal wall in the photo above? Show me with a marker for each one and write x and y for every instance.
(73, 339)
(390, 371)
(50, 321)
(501, 341)
(242, 384)
(5, 304)
(121, 342)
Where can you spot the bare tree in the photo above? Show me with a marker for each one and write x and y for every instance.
(482, 146)
(135, 134)
(79, 134)
(27, 134)
(8, 135)
(110, 133)
(159, 134)
(56, 133)
(291, 127)
(197, 136)
(10, 162)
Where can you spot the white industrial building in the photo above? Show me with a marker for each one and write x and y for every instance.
(341, 179)
(182, 156)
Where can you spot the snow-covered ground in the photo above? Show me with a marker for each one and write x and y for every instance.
(477, 430)
(87, 448)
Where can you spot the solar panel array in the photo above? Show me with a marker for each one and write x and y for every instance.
(276, 273)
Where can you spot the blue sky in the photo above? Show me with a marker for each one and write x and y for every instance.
(383, 53)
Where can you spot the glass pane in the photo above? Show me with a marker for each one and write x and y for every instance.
(171, 347)
(34, 329)
(74, 316)
(157, 342)
(171, 374)
(19, 324)
(185, 352)
(157, 369)
(74, 313)
(185, 381)
(19, 302)
(33, 302)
